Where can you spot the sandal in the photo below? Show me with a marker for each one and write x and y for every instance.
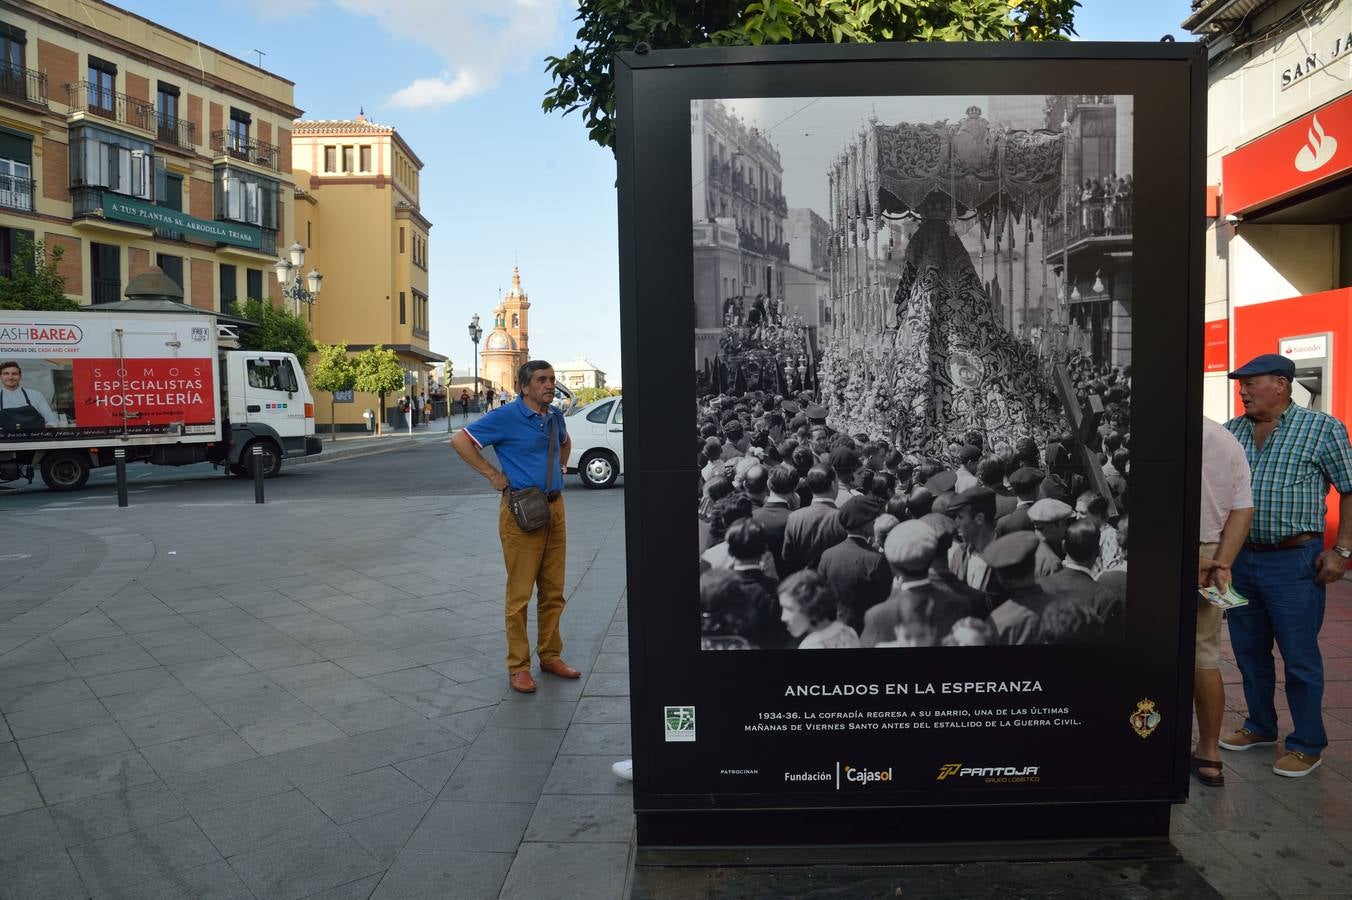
(1198, 764)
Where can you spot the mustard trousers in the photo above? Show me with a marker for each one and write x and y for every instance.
(535, 558)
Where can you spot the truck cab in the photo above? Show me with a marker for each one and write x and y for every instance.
(268, 404)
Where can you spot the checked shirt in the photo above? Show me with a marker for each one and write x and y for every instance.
(1303, 455)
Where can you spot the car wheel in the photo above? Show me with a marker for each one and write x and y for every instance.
(598, 469)
(65, 471)
(272, 458)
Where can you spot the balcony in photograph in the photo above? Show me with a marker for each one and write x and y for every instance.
(88, 99)
(246, 149)
(16, 193)
(26, 86)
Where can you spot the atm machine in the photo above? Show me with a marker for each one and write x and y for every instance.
(1313, 356)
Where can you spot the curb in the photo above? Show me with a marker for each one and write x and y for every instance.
(370, 447)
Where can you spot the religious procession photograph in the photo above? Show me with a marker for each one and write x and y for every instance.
(913, 360)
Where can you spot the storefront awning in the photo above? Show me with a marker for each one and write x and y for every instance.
(1298, 163)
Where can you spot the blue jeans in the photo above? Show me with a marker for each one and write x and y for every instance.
(1287, 605)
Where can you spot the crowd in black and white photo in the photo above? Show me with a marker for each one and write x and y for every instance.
(814, 539)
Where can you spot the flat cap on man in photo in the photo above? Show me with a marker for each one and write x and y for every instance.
(1267, 364)
(1011, 550)
(944, 526)
(941, 482)
(859, 512)
(979, 496)
(1049, 510)
(911, 546)
(1025, 478)
(790, 406)
(969, 454)
(815, 412)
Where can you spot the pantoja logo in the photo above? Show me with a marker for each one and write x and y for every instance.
(950, 769)
(1320, 147)
(867, 776)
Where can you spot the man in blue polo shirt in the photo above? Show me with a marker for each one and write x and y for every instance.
(1295, 454)
(522, 433)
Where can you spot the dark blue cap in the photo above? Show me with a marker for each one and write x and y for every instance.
(1267, 364)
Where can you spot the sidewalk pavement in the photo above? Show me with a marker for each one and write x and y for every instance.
(349, 444)
(307, 699)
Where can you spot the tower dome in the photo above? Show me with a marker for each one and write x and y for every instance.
(499, 340)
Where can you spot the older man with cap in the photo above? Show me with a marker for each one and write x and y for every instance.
(1025, 483)
(844, 462)
(1050, 519)
(1017, 617)
(963, 596)
(973, 511)
(909, 550)
(856, 574)
(968, 459)
(1295, 454)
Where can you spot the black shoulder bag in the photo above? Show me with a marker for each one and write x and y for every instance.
(530, 506)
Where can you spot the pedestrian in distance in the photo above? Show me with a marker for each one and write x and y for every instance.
(532, 444)
(1295, 454)
(1227, 512)
(464, 403)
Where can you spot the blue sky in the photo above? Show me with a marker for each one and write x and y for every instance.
(462, 80)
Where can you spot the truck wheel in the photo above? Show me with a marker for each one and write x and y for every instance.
(598, 469)
(65, 471)
(272, 458)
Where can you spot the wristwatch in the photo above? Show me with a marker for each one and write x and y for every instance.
(1342, 551)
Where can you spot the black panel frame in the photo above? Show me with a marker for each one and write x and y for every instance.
(1127, 788)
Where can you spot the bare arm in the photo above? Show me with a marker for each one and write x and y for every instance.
(1233, 533)
(464, 445)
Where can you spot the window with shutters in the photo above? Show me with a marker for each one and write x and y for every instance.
(16, 172)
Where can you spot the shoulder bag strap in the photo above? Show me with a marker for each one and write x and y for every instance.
(549, 472)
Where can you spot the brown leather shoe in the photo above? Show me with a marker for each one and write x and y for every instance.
(559, 668)
(522, 682)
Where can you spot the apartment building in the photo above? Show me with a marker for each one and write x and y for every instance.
(128, 145)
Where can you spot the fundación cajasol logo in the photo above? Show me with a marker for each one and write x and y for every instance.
(680, 722)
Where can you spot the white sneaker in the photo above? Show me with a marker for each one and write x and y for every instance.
(624, 769)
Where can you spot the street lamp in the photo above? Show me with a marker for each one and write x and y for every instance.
(292, 289)
(475, 332)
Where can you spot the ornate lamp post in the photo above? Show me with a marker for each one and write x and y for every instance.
(292, 289)
(475, 332)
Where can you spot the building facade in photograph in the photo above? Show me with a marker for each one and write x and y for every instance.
(576, 374)
(128, 145)
(358, 216)
(740, 218)
(1279, 175)
(507, 346)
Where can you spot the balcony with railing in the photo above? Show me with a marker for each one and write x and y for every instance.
(16, 193)
(105, 290)
(88, 97)
(175, 131)
(1098, 220)
(248, 149)
(24, 85)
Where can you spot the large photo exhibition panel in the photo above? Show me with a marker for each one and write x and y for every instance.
(779, 727)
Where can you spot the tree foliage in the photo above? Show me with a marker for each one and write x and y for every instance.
(583, 80)
(34, 281)
(378, 371)
(333, 372)
(274, 329)
(583, 396)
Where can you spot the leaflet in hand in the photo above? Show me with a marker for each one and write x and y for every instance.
(1226, 599)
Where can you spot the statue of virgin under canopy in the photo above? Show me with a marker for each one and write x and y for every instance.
(953, 366)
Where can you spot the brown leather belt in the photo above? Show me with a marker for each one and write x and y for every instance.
(1293, 542)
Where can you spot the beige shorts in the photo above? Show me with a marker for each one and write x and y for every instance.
(1208, 653)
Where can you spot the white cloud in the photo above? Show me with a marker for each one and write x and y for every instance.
(478, 41)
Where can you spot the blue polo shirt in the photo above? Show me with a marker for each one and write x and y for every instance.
(519, 435)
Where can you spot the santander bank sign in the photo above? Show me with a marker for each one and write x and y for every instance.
(1302, 154)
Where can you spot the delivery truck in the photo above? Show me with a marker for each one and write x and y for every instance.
(167, 389)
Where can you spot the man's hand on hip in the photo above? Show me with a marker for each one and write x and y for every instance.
(498, 480)
(1330, 567)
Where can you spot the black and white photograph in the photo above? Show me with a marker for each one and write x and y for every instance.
(913, 366)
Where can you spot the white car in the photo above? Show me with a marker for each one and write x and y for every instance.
(597, 433)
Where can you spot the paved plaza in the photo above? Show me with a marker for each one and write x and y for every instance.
(209, 698)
